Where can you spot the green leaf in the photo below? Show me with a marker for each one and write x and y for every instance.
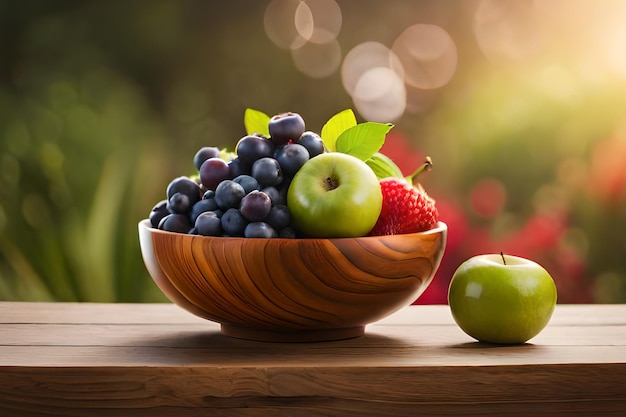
(335, 126)
(363, 140)
(383, 166)
(256, 121)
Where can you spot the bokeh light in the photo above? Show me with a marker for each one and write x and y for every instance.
(380, 95)
(364, 57)
(374, 77)
(280, 23)
(318, 21)
(309, 29)
(317, 60)
(428, 55)
(506, 30)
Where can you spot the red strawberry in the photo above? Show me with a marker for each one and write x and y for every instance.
(406, 208)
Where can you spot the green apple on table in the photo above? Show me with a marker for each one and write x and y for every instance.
(334, 195)
(501, 299)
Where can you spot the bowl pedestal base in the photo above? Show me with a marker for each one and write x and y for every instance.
(309, 335)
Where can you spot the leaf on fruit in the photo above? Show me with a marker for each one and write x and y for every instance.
(335, 126)
(363, 140)
(256, 121)
(383, 166)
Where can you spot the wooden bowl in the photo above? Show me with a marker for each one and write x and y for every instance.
(292, 290)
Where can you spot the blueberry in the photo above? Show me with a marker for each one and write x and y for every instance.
(252, 147)
(203, 154)
(291, 157)
(259, 230)
(229, 194)
(249, 183)
(273, 193)
(255, 206)
(233, 223)
(179, 203)
(267, 172)
(186, 186)
(175, 223)
(158, 212)
(312, 142)
(208, 224)
(219, 213)
(237, 167)
(287, 233)
(285, 127)
(202, 206)
(279, 217)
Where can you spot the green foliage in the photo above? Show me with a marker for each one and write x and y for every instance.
(84, 162)
(335, 126)
(256, 121)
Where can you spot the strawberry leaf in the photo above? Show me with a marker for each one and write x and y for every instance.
(256, 121)
(363, 140)
(383, 166)
(335, 126)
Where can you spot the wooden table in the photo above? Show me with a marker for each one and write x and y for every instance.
(64, 359)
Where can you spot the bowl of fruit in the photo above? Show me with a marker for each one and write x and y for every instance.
(294, 236)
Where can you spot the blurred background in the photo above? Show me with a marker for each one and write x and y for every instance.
(520, 104)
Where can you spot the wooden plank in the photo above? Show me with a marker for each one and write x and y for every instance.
(74, 359)
(470, 355)
(202, 335)
(546, 390)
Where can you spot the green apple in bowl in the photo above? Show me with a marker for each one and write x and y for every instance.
(334, 195)
(501, 299)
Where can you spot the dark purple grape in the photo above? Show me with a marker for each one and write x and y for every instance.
(267, 172)
(208, 224)
(228, 194)
(233, 223)
(249, 183)
(178, 223)
(203, 154)
(186, 186)
(208, 194)
(158, 212)
(251, 147)
(255, 206)
(260, 230)
(285, 127)
(179, 203)
(279, 217)
(291, 157)
(202, 206)
(312, 142)
(213, 171)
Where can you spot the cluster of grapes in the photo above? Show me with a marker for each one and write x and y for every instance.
(247, 195)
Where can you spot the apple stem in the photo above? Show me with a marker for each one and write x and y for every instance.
(503, 260)
(426, 166)
(330, 184)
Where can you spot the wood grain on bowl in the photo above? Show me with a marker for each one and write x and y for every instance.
(292, 289)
